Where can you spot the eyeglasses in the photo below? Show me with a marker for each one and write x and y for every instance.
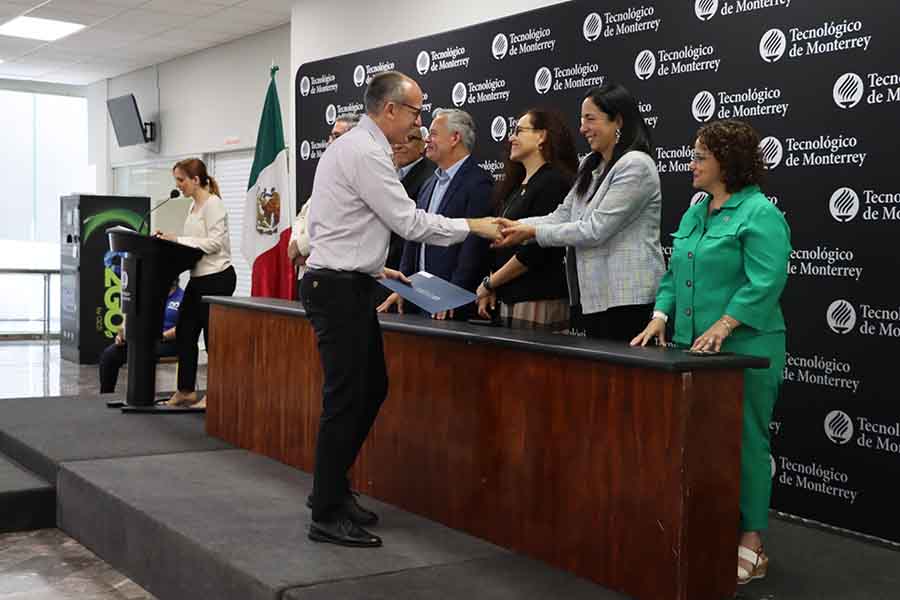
(413, 138)
(697, 157)
(417, 110)
(519, 129)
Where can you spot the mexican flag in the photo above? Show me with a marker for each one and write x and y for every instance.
(269, 208)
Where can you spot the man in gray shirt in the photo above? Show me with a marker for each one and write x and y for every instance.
(359, 201)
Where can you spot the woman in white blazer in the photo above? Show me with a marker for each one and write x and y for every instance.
(608, 222)
(206, 227)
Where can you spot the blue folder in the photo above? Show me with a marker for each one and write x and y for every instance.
(430, 293)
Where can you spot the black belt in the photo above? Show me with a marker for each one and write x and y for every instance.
(340, 275)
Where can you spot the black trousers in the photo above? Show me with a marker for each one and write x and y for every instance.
(113, 357)
(341, 308)
(193, 317)
(619, 323)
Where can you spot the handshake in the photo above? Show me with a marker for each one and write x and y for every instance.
(502, 232)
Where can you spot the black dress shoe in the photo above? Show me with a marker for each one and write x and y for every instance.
(357, 513)
(343, 532)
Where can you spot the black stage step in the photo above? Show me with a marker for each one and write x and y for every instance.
(232, 525)
(42, 433)
(187, 517)
(26, 501)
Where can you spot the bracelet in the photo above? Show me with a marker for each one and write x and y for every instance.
(658, 314)
(727, 325)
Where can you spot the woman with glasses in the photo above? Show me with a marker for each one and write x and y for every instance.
(725, 278)
(608, 222)
(539, 170)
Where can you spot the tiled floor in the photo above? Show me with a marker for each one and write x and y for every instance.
(47, 564)
(36, 369)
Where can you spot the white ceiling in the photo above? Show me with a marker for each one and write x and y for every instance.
(123, 35)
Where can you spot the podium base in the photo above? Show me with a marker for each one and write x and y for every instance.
(162, 409)
(121, 403)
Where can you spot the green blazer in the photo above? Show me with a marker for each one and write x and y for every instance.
(733, 262)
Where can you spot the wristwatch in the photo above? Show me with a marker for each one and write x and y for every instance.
(486, 282)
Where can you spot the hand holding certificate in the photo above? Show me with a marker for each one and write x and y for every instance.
(430, 293)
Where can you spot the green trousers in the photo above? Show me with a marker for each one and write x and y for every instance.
(761, 387)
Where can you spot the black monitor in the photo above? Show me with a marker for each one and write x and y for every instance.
(127, 122)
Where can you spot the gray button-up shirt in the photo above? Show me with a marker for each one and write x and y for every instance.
(359, 200)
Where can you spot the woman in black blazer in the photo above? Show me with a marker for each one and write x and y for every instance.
(530, 281)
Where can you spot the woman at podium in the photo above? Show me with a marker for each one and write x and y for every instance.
(206, 228)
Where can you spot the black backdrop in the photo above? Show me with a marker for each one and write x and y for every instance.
(820, 82)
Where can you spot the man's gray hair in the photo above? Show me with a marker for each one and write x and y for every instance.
(458, 121)
(389, 86)
(352, 120)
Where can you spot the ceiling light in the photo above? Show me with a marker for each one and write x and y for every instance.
(33, 28)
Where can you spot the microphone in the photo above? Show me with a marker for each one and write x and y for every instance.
(172, 194)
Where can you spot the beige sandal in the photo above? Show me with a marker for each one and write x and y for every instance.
(182, 399)
(759, 564)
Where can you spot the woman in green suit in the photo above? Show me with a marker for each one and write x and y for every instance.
(725, 278)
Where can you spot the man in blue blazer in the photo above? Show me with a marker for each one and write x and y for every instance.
(458, 188)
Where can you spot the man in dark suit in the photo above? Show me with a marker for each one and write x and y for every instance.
(414, 169)
(413, 166)
(458, 188)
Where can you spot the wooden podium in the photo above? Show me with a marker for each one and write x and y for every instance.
(619, 464)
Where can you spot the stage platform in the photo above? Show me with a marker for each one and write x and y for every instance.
(186, 516)
(43, 433)
(26, 501)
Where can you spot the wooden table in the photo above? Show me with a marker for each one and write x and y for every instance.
(619, 464)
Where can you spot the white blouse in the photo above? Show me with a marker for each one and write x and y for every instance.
(206, 228)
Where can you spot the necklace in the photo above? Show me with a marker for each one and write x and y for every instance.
(511, 200)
